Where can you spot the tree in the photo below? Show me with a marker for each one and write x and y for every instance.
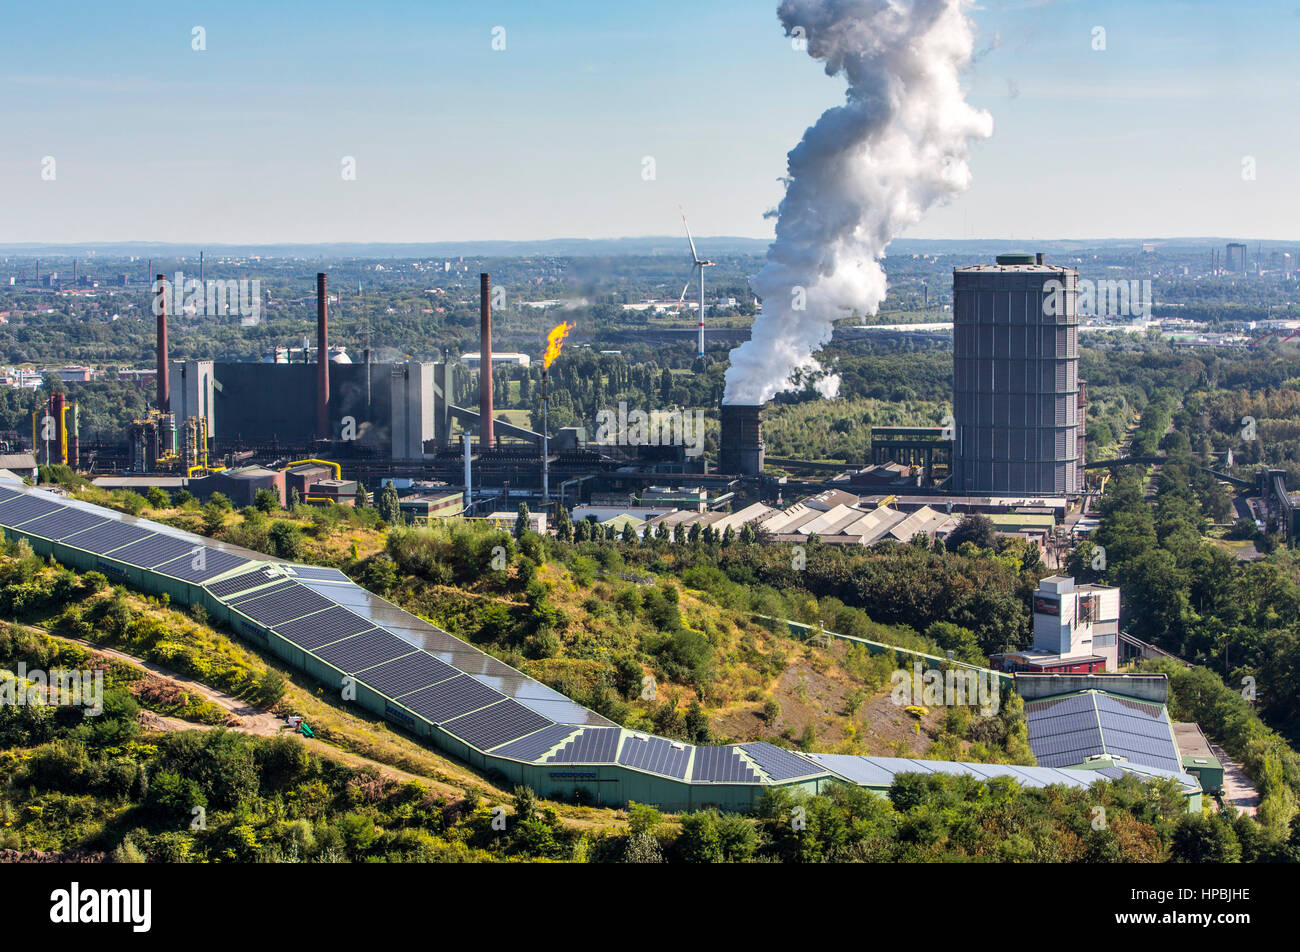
(286, 538)
(629, 533)
(361, 499)
(522, 520)
(697, 725)
(266, 500)
(976, 528)
(214, 519)
(158, 498)
(388, 504)
(295, 500)
(563, 525)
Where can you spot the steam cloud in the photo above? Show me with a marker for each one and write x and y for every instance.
(863, 173)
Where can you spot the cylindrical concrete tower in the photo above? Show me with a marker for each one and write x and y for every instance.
(1016, 405)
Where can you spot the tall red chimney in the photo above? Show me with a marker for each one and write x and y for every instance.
(322, 360)
(164, 382)
(484, 362)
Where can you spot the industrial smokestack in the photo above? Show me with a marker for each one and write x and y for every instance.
(322, 360)
(164, 383)
(485, 362)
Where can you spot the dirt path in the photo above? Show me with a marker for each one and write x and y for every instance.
(248, 719)
(244, 718)
(1238, 790)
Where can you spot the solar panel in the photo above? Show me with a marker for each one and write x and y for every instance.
(14, 512)
(777, 763)
(112, 535)
(63, 523)
(450, 698)
(1127, 708)
(595, 745)
(320, 573)
(214, 562)
(396, 678)
(1067, 731)
(230, 589)
(868, 771)
(721, 765)
(363, 651)
(7, 494)
(322, 628)
(529, 748)
(280, 605)
(565, 712)
(493, 726)
(155, 550)
(656, 755)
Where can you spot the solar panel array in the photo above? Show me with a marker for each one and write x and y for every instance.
(112, 535)
(656, 755)
(493, 726)
(282, 604)
(20, 509)
(323, 628)
(63, 523)
(529, 748)
(363, 651)
(777, 763)
(451, 698)
(405, 675)
(155, 550)
(191, 568)
(593, 746)
(320, 573)
(721, 765)
(1138, 731)
(1064, 731)
(228, 588)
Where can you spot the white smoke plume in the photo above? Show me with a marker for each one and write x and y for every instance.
(861, 175)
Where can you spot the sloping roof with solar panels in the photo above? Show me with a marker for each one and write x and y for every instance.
(1072, 729)
(424, 672)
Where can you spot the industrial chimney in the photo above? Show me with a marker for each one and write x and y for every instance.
(485, 362)
(322, 360)
(164, 383)
(740, 444)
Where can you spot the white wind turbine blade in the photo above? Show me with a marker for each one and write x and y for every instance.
(695, 257)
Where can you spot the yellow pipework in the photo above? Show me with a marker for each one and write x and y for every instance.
(338, 470)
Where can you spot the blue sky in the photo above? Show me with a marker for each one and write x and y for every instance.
(243, 142)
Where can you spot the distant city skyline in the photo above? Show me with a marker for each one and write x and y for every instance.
(245, 142)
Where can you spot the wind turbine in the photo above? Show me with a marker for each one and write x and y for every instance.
(700, 264)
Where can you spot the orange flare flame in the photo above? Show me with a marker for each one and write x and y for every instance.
(555, 341)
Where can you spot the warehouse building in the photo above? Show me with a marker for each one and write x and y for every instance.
(441, 689)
